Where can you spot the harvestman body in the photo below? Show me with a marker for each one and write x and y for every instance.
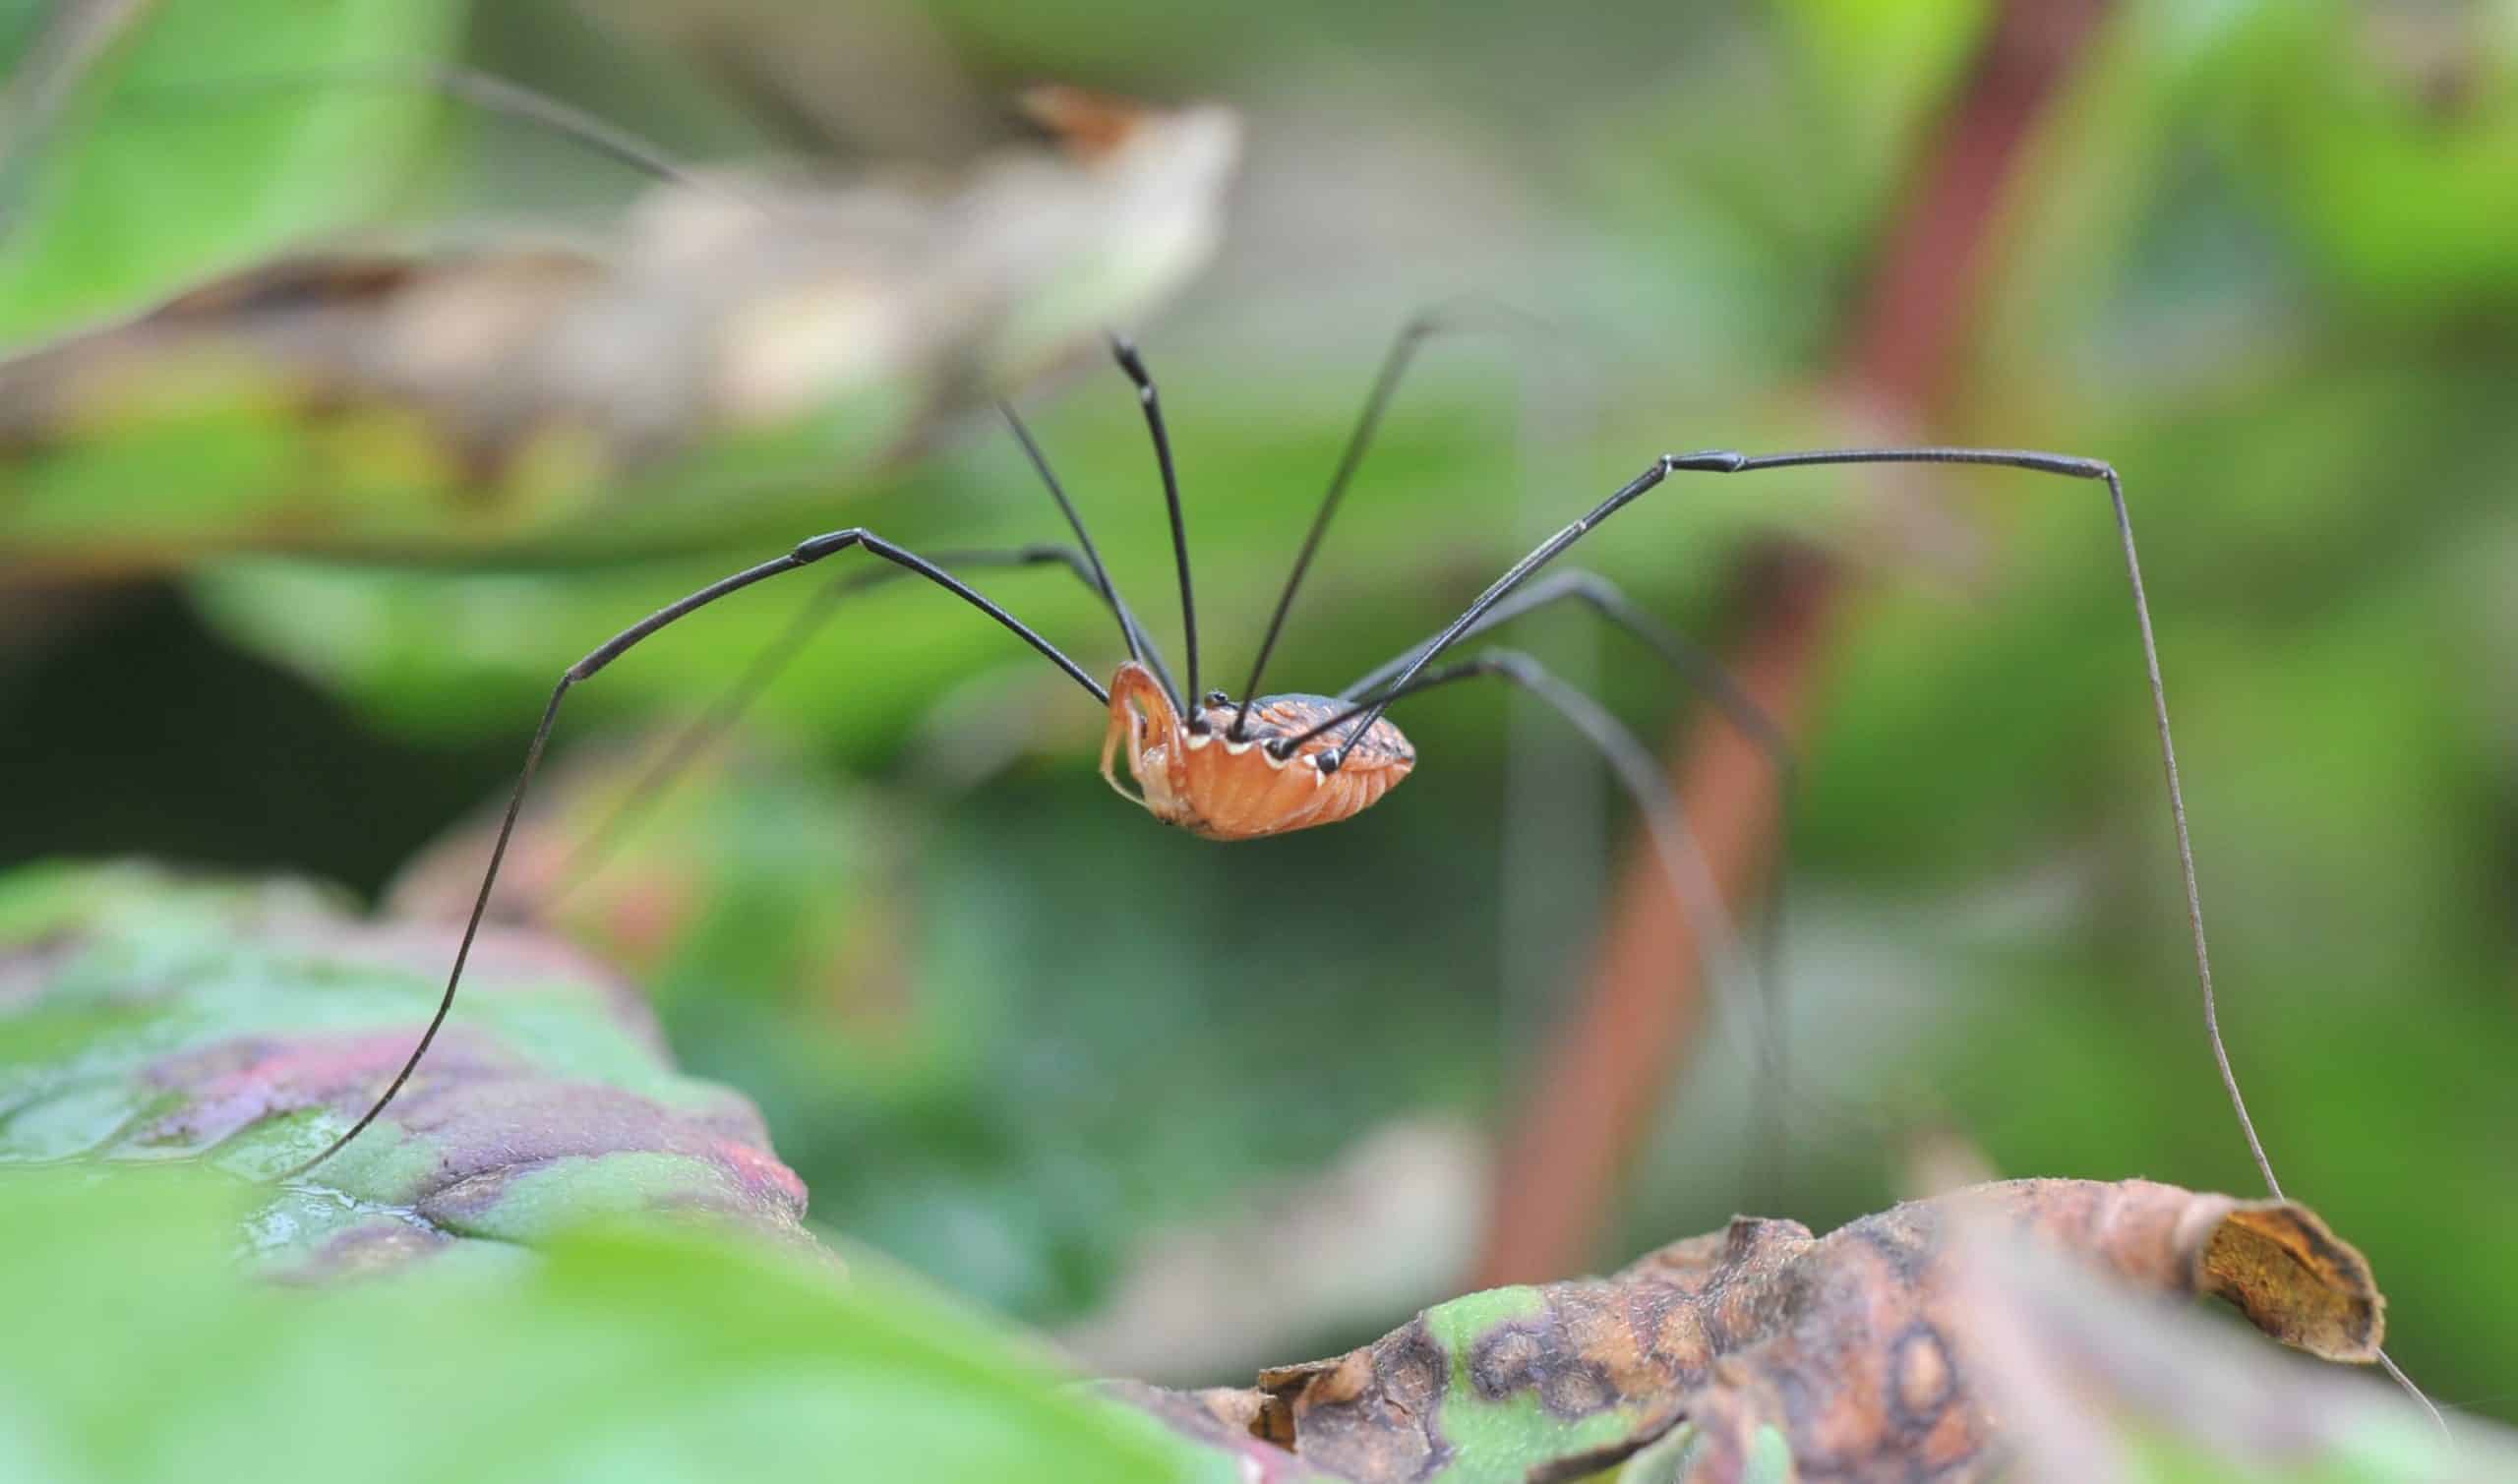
(1195, 774)
(1272, 764)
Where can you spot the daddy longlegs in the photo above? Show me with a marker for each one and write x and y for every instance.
(1270, 764)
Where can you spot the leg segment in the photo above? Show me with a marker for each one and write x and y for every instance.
(1725, 461)
(766, 666)
(1140, 646)
(1700, 671)
(1682, 857)
(1685, 658)
(1126, 355)
(803, 555)
(1457, 315)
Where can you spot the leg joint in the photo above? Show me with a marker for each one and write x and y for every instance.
(815, 548)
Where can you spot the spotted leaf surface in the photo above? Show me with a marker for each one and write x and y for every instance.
(144, 1020)
(1762, 1352)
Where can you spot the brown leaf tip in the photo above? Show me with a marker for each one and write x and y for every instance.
(1091, 126)
(2295, 1280)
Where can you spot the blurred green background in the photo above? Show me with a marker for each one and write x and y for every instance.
(2260, 254)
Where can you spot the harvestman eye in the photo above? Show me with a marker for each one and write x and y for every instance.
(1270, 764)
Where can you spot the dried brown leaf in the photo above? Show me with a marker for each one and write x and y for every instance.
(1855, 1349)
(732, 340)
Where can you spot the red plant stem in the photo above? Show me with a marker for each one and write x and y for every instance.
(1603, 1075)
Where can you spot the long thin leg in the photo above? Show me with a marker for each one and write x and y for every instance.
(805, 554)
(494, 94)
(1140, 647)
(1394, 366)
(1084, 559)
(1437, 319)
(1682, 857)
(1130, 361)
(1727, 461)
(656, 779)
(1684, 656)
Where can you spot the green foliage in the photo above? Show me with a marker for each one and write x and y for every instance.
(2259, 256)
(213, 1021)
(209, 135)
(629, 1354)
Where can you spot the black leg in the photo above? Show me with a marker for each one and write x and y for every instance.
(1683, 656)
(1084, 560)
(1126, 355)
(1709, 461)
(657, 778)
(1682, 857)
(1140, 645)
(490, 94)
(803, 555)
(1394, 366)
(1436, 320)
(1725, 461)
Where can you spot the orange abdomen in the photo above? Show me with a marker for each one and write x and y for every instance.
(1225, 790)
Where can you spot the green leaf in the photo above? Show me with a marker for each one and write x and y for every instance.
(138, 1352)
(244, 1027)
(211, 132)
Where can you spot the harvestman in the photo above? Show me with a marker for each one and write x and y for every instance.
(1270, 764)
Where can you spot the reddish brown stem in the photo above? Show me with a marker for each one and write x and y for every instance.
(1604, 1075)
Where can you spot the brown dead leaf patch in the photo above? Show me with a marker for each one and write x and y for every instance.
(1856, 1348)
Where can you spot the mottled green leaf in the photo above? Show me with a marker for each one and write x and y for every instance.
(1890, 1349)
(144, 1020)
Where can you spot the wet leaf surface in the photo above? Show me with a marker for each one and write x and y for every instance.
(1849, 1356)
(144, 1020)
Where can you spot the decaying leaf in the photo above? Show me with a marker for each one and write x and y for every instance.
(1849, 1356)
(2094, 1390)
(739, 341)
(146, 1020)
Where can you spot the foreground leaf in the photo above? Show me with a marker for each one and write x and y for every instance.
(138, 1354)
(143, 1021)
